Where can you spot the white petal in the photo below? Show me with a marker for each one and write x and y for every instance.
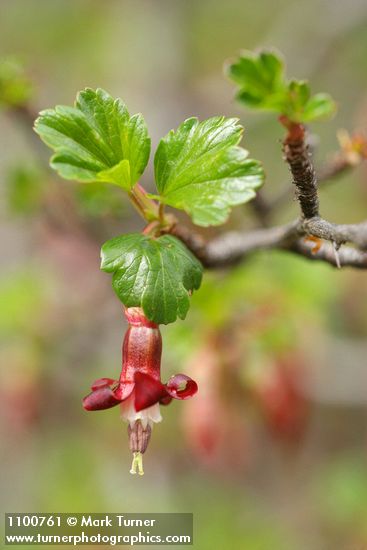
(146, 416)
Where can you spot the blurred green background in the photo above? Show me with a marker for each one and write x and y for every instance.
(272, 454)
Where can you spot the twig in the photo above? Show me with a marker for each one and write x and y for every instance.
(297, 156)
(233, 247)
(338, 164)
(338, 233)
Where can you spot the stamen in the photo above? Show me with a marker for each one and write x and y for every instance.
(139, 436)
(138, 440)
(137, 464)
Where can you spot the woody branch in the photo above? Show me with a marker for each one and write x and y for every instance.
(233, 247)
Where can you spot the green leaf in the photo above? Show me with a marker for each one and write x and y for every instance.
(318, 107)
(155, 274)
(200, 169)
(260, 78)
(301, 107)
(263, 85)
(96, 140)
(298, 94)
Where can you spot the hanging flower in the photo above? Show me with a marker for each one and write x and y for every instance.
(139, 389)
(281, 397)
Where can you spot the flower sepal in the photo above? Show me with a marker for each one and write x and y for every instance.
(147, 391)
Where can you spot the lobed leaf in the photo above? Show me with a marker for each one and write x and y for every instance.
(199, 168)
(263, 85)
(260, 79)
(96, 140)
(155, 274)
(318, 107)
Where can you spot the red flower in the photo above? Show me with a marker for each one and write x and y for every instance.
(282, 398)
(139, 389)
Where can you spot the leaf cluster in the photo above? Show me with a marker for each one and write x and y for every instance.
(199, 168)
(262, 85)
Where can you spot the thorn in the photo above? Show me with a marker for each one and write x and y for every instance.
(336, 254)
